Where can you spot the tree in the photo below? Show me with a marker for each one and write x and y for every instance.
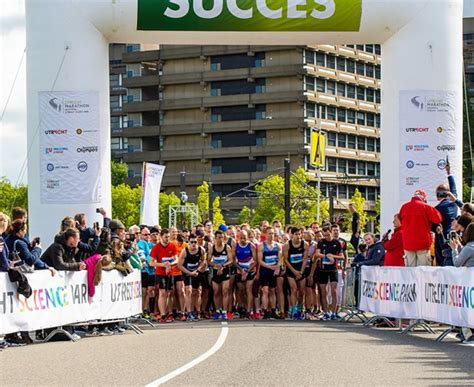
(119, 172)
(303, 199)
(203, 205)
(11, 196)
(167, 200)
(126, 204)
(245, 215)
(358, 201)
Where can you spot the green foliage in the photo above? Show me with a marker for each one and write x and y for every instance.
(203, 205)
(119, 172)
(245, 215)
(303, 199)
(358, 201)
(126, 204)
(167, 200)
(11, 196)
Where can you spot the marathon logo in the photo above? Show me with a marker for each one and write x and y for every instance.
(127, 291)
(417, 130)
(55, 131)
(387, 291)
(458, 296)
(446, 148)
(88, 149)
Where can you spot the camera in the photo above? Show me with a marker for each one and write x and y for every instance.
(442, 194)
(453, 235)
(130, 238)
(97, 210)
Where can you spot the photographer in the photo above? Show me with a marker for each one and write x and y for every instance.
(122, 246)
(464, 257)
(84, 249)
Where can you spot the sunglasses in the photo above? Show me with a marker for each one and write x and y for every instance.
(146, 234)
(193, 242)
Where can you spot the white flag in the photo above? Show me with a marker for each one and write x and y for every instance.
(151, 185)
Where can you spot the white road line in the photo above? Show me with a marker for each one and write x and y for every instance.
(218, 344)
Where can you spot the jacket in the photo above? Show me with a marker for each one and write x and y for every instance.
(60, 256)
(465, 257)
(30, 256)
(394, 252)
(448, 209)
(4, 261)
(91, 263)
(417, 217)
(375, 255)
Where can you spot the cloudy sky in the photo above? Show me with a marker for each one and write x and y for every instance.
(13, 125)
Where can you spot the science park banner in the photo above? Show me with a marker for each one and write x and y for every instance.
(63, 299)
(70, 149)
(444, 295)
(249, 15)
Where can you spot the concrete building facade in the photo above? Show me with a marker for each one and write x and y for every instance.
(232, 114)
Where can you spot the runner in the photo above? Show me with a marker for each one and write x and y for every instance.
(191, 261)
(309, 296)
(232, 273)
(147, 273)
(269, 260)
(220, 259)
(325, 271)
(246, 262)
(295, 253)
(341, 264)
(178, 284)
(163, 255)
(203, 306)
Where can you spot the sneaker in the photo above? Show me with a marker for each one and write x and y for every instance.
(190, 317)
(335, 317)
(258, 315)
(181, 317)
(326, 317)
(274, 315)
(225, 315)
(206, 315)
(170, 318)
(216, 316)
(93, 333)
(146, 314)
(156, 317)
(106, 332)
(75, 336)
(236, 315)
(196, 316)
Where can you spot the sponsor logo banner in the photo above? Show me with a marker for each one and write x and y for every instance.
(428, 138)
(70, 140)
(63, 299)
(250, 15)
(444, 295)
(151, 185)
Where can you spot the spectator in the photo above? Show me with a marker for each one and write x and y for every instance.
(448, 205)
(355, 226)
(19, 213)
(375, 251)
(61, 253)
(24, 251)
(122, 247)
(394, 246)
(4, 252)
(356, 263)
(417, 218)
(461, 222)
(467, 209)
(464, 256)
(91, 238)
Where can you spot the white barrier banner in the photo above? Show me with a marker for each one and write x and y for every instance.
(444, 295)
(447, 295)
(63, 299)
(390, 292)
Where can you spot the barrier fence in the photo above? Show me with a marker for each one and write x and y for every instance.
(63, 299)
(441, 294)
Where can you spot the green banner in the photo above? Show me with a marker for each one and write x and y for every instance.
(249, 15)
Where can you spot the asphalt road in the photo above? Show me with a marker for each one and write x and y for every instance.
(254, 353)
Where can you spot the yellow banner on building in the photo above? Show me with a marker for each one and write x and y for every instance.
(318, 142)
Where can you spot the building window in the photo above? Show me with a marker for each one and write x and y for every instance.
(237, 61)
(360, 118)
(237, 113)
(371, 144)
(377, 72)
(370, 169)
(341, 165)
(215, 117)
(234, 139)
(236, 87)
(351, 141)
(351, 190)
(377, 145)
(371, 194)
(309, 83)
(342, 140)
(361, 168)
(308, 56)
(361, 143)
(320, 59)
(310, 110)
(378, 49)
(331, 87)
(377, 96)
(320, 85)
(351, 91)
(321, 111)
(377, 121)
(351, 117)
(331, 113)
(342, 192)
(360, 93)
(238, 165)
(352, 167)
(341, 64)
(370, 95)
(332, 138)
(369, 71)
(341, 115)
(360, 68)
(369, 48)
(331, 164)
(341, 89)
(331, 61)
(350, 66)
(371, 119)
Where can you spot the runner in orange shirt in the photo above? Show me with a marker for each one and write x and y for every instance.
(178, 279)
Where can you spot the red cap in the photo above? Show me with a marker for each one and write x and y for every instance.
(420, 194)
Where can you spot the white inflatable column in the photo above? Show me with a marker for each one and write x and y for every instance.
(424, 55)
(53, 26)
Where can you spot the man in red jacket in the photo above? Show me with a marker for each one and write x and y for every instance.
(417, 218)
(394, 252)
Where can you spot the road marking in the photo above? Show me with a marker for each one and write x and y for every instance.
(218, 344)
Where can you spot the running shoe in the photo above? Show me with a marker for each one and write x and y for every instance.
(181, 317)
(326, 317)
(170, 318)
(146, 314)
(235, 315)
(216, 316)
(225, 315)
(251, 316)
(190, 317)
(206, 315)
(258, 315)
(469, 342)
(335, 317)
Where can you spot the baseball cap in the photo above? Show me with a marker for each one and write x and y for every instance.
(116, 224)
(420, 194)
(223, 227)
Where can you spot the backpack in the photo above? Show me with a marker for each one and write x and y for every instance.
(18, 263)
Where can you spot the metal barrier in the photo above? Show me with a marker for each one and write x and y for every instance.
(349, 301)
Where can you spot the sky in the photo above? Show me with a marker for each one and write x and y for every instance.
(13, 126)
